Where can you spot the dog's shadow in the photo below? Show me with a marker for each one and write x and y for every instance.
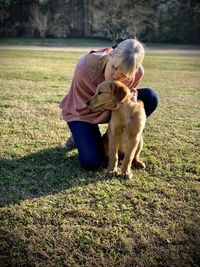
(43, 173)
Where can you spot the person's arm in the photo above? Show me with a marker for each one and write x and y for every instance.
(132, 84)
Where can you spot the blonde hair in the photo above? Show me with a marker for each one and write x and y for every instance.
(130, 54)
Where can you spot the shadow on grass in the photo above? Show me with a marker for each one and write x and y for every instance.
(42, 173)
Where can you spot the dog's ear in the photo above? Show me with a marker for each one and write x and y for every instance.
(119, 91)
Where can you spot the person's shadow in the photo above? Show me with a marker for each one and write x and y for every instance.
(38, 174)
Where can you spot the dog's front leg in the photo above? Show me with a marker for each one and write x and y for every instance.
(129, 156)
(114, 141)
(137, 162)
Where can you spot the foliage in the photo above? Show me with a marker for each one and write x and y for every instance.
(38, 19)
(53, 213)
(148, 20)
(182, 24)
(124, 19)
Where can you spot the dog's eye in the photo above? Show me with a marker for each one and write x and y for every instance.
(99, 93)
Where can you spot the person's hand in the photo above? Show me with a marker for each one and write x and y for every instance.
(134, 94)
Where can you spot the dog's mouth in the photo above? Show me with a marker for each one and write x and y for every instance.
(104, 107)
(97, 108)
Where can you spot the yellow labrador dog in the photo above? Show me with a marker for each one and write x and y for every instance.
(124, 133)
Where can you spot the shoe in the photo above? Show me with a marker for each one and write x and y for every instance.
(70, 145)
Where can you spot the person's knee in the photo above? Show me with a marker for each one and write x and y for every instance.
(153, 101)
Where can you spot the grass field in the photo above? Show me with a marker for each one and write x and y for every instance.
(53, 213)
(56, 42)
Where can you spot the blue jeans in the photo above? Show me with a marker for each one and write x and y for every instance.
(87, 136)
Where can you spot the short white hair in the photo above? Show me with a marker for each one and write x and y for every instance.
(130, 54)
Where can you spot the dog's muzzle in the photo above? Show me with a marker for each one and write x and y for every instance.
(88, 103)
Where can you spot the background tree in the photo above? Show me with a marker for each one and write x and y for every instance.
(88, 18)
(148, 20)
(178, 21)
(120, 20)
(39, 19)
(4, 15)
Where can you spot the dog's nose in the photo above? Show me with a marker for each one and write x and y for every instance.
(88, 102)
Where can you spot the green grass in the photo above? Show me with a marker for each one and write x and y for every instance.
(57, 42)
(53, 213)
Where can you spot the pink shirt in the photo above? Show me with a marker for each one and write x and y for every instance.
(84, 86)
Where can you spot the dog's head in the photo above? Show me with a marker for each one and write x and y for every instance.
(109, 96)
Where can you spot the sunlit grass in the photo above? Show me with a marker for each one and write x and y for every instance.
(53, 213)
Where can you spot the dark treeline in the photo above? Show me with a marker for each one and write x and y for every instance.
(149, 20)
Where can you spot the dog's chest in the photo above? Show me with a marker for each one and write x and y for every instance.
(125, 137)
(123, 130)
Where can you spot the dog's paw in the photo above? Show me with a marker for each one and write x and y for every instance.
(139, 164)
(112, 173)
(127, 176)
